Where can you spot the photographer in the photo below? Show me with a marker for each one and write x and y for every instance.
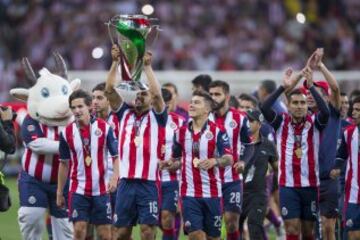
(7, 136)
(7, 145)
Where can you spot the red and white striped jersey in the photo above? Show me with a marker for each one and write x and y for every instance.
(211, 142)
(237, 128)
(138, 143)
(298, 149)
(349, 151)
(44, 167)
(88, 179)
(174, 122)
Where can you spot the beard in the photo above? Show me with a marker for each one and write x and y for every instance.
(218, 106)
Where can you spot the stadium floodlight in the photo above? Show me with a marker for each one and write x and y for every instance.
(147, 9)
(97, 53)
(300, 17)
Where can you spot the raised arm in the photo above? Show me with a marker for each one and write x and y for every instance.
(266, 108)
(154, 86)
(114, 98)
(324, 112)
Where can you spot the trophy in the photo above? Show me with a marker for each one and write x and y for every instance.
(132, 33)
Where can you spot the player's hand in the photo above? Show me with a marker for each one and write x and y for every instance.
(115, 52)
(335, 173)
(315, 60)
(112, 185)
(287, 80)
(239, 166)
(60, 200)
(147, 58)
(164, 164)
(308, 75)
(207, 164)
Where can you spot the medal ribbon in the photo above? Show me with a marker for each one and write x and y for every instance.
(86, 146)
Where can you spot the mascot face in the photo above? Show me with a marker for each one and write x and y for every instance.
(47, 99)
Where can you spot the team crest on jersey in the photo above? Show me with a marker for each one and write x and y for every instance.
(349, 223)
(173, 125)
(209, 135)
(307, 125)
(284, 211)
(75, 214)
(98, 132)
(31, 128)
(233, 124)
(112, 125)
(32, 200)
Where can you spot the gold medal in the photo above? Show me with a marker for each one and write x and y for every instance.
(298, 152)
(196, 162)
(88, 161)
(137, 141)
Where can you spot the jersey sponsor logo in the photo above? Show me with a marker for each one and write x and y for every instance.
(209, 135)
(98, 132)
(263, 152)
(115, 218)
(31, 128)
(284, 211)
(233, 124)
(32, 200)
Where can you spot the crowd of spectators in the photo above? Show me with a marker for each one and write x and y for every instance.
(196, 34)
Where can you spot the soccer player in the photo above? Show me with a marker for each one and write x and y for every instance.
(101, 109)
(137, 195)
(330, 92)
(201, 82)
(297, 137)
(257, 155)
(84, 147)
(237, 129)
(169, 173)
(348, 153)
(247, 102)
(204, 148)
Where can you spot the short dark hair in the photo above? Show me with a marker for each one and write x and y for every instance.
(218, 83)
(166, 95)
(99, 87)
(356, 100)
(269, 85)
(80, 94)
(296, 91)
(206, 96)
(202, 80)
(248, 97)
(343, 94)
(169, 84)
(233, 102)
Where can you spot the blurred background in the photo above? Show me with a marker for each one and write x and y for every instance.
(216, 35)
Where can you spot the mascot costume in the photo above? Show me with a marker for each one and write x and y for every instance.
(48, 114)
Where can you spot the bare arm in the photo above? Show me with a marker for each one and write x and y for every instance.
(62, 176)
(335, 98)
(154, 86)
(113, 97)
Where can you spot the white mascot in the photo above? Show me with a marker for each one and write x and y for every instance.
(48, 114)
